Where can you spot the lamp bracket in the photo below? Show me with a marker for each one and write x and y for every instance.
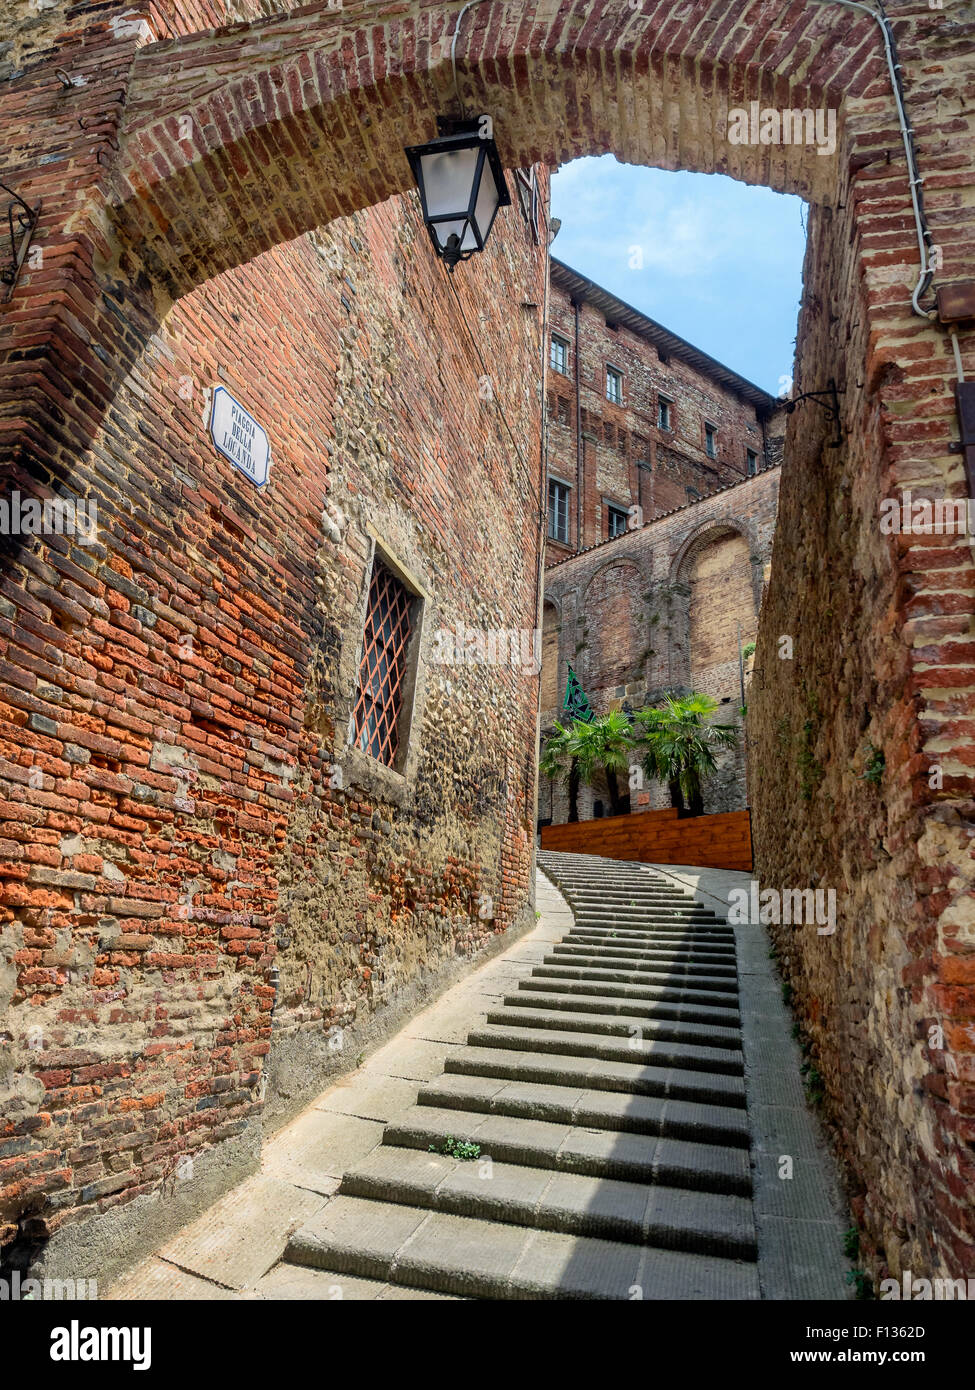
(829, 401)
(21, 221)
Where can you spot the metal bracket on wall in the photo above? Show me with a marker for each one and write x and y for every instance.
(965, 400)
(21, 221)
(829, 401)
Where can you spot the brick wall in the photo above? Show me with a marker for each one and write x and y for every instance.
(659, 837)
(658, 609)
(181, 809)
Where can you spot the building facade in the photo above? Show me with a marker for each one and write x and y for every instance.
(664, 608)
(662, 482)
(639, 421)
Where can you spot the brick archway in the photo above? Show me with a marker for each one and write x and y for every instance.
(199, 152)
(178, 157)
(235, 140)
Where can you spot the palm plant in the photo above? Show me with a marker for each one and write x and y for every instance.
(557, 761)
(679, 746)
(606, 744)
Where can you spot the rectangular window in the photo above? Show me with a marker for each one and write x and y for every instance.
(752, 461)
(617, 520)
(614, 386)
(663, 413)
(558, 511)
(383, 668)
(559, 356)
(711, 440)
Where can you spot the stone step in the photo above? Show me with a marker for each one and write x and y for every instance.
(599, 1109)
(647, 921)
(622, 900)
(572, 956)
(485, 1259)
(628, 975)
(719, 936)
(625, 1026)
(602, 1074)
(573, 1044)
(709, 939)
(602, 902)
(576, 1149)
(651, 950)
(625, 898)
(667, 1218)
(632, 1008)
(578, 940)
(611, 989)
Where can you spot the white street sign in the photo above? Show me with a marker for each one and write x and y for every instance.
(239, 437)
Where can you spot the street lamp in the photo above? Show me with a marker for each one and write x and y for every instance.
(461, 185)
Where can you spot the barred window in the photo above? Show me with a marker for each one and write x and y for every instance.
(382, 670)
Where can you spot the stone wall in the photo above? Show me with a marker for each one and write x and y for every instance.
(659, 609)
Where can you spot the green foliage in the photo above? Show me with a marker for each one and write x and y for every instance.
(458, 1148)
(748, 650)
(815, 1086)
(863, 1282)
(811, 772)
(876, 762)
(679, 745)
(851, 1244)
(786, 992)
(605, 743)
(674, 742)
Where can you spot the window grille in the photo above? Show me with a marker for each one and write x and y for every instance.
(383, 666)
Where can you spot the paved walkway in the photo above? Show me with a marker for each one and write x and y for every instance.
(602, 1080)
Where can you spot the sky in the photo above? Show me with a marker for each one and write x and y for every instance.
(712, 259)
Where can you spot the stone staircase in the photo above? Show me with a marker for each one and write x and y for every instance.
(607, 1101)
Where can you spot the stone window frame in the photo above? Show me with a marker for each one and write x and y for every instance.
(614, 373)
(357, 767)
(711, 437)
(752, 456)
(665, 407)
